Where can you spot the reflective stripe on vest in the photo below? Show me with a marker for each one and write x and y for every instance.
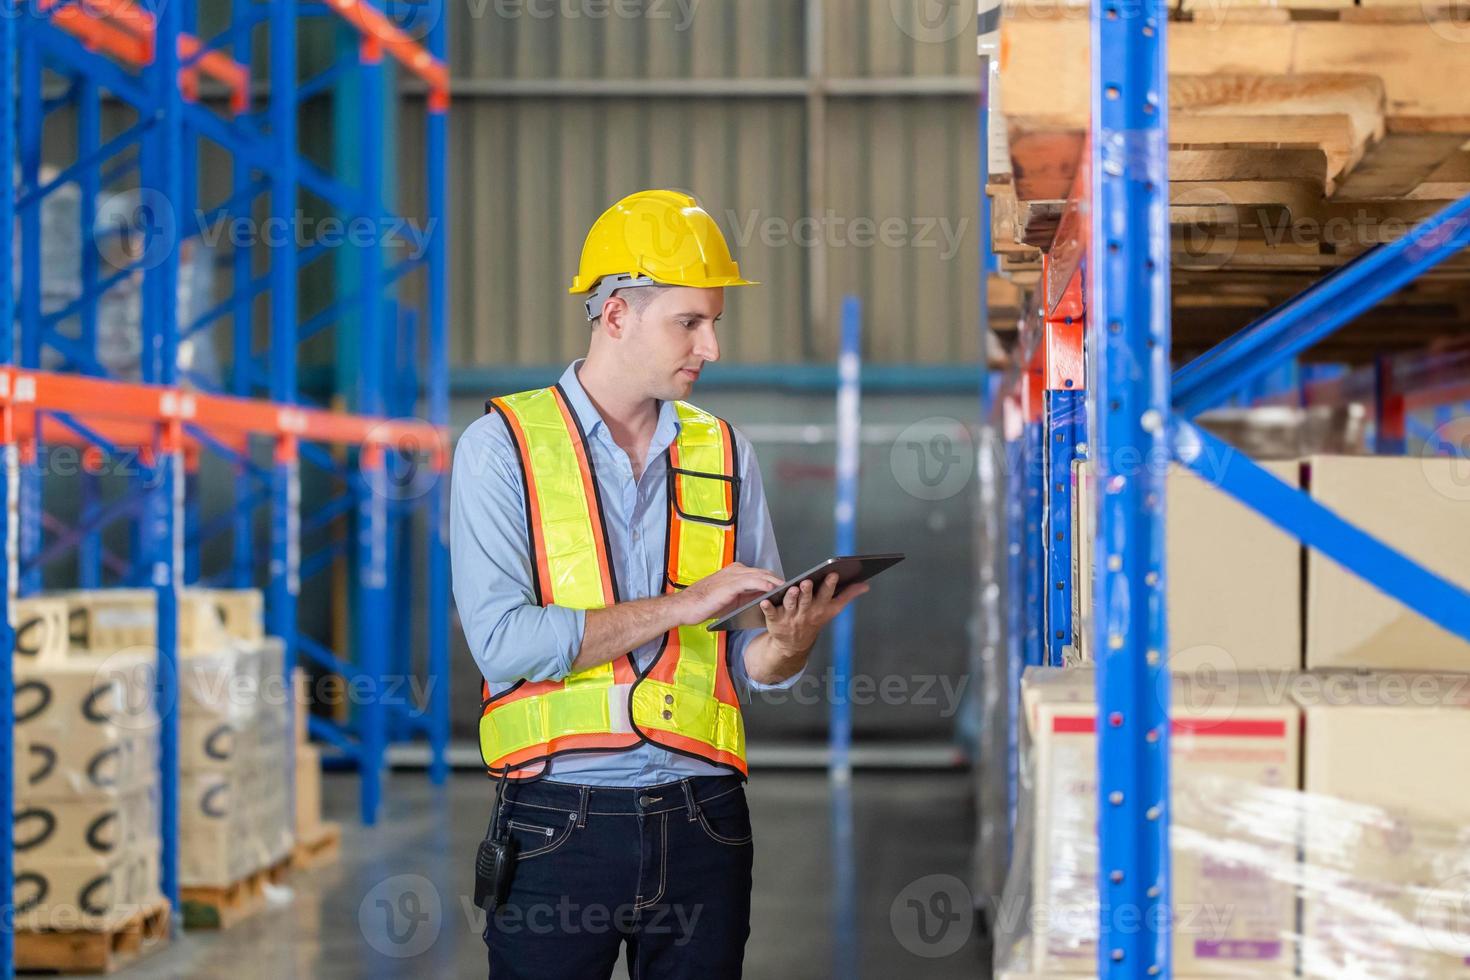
(686, 701)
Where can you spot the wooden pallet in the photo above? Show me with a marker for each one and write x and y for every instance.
(1297, 141)
(324, 847)
(223, 906)
(95, 951)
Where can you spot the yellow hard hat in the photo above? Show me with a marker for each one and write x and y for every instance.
(650, 238)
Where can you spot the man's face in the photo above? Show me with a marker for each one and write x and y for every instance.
(670, 342)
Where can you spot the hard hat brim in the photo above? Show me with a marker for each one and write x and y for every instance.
(578, 286)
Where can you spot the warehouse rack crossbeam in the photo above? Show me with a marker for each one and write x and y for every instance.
(1106, 275)
(145, 62)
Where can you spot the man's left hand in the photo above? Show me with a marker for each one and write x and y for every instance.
(795, 624)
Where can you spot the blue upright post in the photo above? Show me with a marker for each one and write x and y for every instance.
(31, 117)
(1033, 554)
(7, 570)
(849, 453)
(162, 179)
(241, 327)
(1063, 426)
(373, 568)
(372, 557)
(89, 131)
(285, 479)
(1015, 515)
(1128, 310)
(437, 212)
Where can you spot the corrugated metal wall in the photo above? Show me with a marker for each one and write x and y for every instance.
(559, 111)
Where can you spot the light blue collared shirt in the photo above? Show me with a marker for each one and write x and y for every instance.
(512, 637)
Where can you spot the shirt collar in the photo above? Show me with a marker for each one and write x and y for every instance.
(591, 419)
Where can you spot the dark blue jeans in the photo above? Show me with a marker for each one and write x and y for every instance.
(664, 869)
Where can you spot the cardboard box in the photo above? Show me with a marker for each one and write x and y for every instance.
(40, 629)
(93, 892)
(1232, 918)
(1421, 507)
(84, 725)
(214, 845)
(208, 743)
(308, 791)
(241, 611)
(1385, 818)
(63, 830)
(106, 620)
(111, 619)
(1234, 579)
(212, 685)
(52, 762)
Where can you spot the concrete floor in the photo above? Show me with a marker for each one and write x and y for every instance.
(910, 831)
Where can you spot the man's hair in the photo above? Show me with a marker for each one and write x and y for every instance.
(638, 298)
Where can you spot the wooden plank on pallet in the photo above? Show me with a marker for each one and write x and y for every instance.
(1330, 134)
(1417, 64)
(1398, 164)
(1413, 61)
(1360, 97)
(322, 848)
(224, 906)
(1248, 163)
(1450, 181)
(95, 951)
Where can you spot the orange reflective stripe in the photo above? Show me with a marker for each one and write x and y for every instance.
(567, 743)
(693, 746)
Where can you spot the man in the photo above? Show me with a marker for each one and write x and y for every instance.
(596, 527)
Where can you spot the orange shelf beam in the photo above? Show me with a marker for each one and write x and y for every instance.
(127, 33)
(378, 32)
(24, 392)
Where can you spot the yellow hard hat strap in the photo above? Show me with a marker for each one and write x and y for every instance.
(608, 285)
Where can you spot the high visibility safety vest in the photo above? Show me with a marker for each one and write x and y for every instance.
(685, 700)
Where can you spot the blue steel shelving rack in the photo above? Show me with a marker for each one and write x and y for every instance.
(147, 59)
(1107, 275)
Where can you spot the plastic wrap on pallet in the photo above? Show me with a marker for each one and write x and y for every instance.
(118, 236)
(988, 663)
(1289, 431)
(1268, 881)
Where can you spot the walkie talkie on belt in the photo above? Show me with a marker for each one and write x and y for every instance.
(495, 861)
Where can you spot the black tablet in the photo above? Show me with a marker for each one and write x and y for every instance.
(850, 569)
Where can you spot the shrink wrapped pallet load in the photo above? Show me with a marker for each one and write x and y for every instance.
(86, 831)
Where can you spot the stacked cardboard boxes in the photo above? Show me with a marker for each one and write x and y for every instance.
(1232, 918)
(1421, 507)
(105, 620)
(86, 811)
(1386, 825)
(233, 763)
(1233, 578)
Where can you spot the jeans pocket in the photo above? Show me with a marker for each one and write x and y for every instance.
(540, 834)
(726, 820)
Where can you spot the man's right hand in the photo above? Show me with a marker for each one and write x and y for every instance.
(725, 590)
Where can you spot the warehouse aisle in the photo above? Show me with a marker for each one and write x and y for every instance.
(375, 913)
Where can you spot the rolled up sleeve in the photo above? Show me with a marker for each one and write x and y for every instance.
(511, 636)
(755, 546)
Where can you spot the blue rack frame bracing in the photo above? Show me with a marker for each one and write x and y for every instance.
(140, 76)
